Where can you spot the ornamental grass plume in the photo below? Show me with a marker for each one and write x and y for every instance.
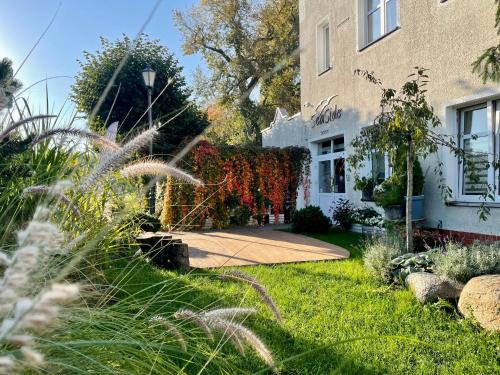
(196, 319)
(9, 129)
(96, 139)
(216, 320)
(61, 197)
(116, 159)
(172, 329)
(25, 310)
(263, 293)
(157, 168)
(230, 312)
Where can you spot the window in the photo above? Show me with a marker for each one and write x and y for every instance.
(338, 144)
(378, 167)
(479, 126)
(323, 42)
(380, 18)
(325, 176)
(339, 173)
(325, 148)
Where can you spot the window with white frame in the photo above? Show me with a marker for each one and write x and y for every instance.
(380, 17)
(479, 138)
(323, 47)
(379, 167)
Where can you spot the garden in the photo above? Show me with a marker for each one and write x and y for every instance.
(82, 292)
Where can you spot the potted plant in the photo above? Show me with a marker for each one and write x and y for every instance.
(418, 185)
(343, 214)
(366, 186)
(389, 195)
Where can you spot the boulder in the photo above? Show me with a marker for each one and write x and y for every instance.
(428, 287)
(480, 300)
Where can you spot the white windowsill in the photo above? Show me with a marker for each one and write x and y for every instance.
(378, 39)
(472, 204)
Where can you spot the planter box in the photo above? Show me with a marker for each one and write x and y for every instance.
(164, 251)
(393, 212)
(357, 228)
(368, 230)
(417, 208)
(281, 219)
(373, 231)
(208, 224)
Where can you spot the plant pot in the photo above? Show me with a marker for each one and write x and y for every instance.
(357, 228)
(367, 195)
(393, 212)
(417, 212)
(373, 231)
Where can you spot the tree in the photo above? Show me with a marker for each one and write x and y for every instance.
(130, 91)
(226, 126)
(8, 84)
(488, 64)
(407, 122)
(247, 44)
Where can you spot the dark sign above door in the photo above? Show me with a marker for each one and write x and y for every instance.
(327, 113)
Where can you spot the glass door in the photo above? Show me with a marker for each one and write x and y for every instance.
(331, 173)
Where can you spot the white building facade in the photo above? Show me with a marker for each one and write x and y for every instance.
(390, 38)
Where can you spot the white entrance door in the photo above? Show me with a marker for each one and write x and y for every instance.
(331, 170)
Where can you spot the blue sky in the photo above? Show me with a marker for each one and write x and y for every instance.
(78, 26)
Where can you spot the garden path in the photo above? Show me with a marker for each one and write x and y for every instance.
(251, 246)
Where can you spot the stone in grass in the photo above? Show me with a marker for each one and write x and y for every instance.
(480, 300)
(428, 287)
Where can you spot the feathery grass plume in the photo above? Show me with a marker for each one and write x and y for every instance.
(196, 319)
(265, 296)
(9, 129)
(45, 190)
(7, 365)
(24, 309)
(157, 168)
(42, 234)
(94, 138)
(229, 313)
(116, 159)
(172, 329)
(233, 335)
(242, 333)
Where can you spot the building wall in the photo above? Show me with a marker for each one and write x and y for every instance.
(443, 37)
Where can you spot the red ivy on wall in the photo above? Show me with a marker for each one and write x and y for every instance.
(250, 177)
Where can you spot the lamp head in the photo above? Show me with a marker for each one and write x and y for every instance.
(149, 76)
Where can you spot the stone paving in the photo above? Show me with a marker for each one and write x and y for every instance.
(252, 246)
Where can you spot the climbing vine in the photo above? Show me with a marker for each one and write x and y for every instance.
(235, 178)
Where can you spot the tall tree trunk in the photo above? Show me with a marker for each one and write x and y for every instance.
(410, 157)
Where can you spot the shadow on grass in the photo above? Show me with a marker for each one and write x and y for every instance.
(153, 291)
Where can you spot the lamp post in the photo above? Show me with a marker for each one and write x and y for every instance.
(149, 76)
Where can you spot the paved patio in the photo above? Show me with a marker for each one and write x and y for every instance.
(251, 246)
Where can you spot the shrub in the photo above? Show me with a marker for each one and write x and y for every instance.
(379, 252)
(462, 264)
(403, 265)
(418, 175)
(343, 214)
(147, 222)
(241, 215)
(367, 216)
(390, 192)
(310, 219)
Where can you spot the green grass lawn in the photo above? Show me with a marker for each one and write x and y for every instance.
(325, 305)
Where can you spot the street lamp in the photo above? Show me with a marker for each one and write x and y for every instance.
(149, 76)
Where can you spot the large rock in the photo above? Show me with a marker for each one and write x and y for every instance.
(480, 300)
(428, 287)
